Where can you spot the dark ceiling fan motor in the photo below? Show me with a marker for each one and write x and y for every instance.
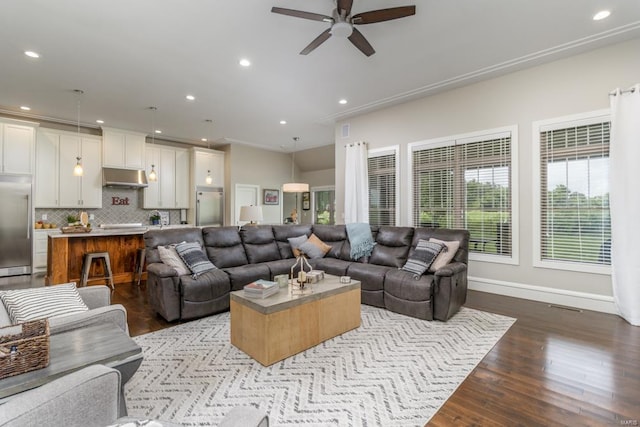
(342, 23)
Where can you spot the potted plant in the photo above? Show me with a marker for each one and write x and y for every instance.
(72, 220)
(155, 218)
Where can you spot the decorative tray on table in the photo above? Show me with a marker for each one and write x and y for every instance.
(75, 229)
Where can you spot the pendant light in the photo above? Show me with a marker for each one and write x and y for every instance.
(294, 187)
(153, 176)
(77, 169)
(209, 178)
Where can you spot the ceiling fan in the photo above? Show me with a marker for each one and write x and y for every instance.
(342, 23)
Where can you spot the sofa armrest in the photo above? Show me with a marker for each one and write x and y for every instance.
(451, 269)
(116, 314)
(161, 270)
(245, 416)
(95, 296)
(88, 395)
(450, 290)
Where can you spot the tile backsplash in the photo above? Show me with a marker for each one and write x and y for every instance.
(111, 212)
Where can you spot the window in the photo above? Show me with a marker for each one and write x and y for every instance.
(324, 206)
(467, 182)
(382, 165)
(574, 225)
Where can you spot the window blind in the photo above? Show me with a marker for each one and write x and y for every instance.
(382, 189)
(574, 200)
(466, 184)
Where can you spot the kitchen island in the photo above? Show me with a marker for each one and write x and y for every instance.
(65, 253)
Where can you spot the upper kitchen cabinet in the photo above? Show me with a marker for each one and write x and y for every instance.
(17, 146)
(171, 190)
(208, 167)
(55, 184)
(122, 149)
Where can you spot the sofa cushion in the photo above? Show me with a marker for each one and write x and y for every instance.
(422, 257)
(392, 246)
(207, 286)
(314, 247)
(334, 236)
(402, 284)
(295, 243)
(337, 267)
(282, 233)
(259, 243)
(371, 276)
(24, 305)
(245, 274)
(155, 238)
(170, 257)
(446, 255)
(224, 246)
(447, 235)
(194, 257)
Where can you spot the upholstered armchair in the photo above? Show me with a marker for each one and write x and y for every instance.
(89, 397)
(98, 300)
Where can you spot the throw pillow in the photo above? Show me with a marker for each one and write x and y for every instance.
(314, 247)
(422, 257)
(25, 305)
(446, 255)
(295, 243)
(170, 257)
(194, 257)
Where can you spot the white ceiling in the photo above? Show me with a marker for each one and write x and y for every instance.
(128, 55)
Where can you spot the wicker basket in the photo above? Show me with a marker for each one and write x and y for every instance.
(24, 348)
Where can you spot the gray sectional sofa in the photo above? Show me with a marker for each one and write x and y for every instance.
(261, 252)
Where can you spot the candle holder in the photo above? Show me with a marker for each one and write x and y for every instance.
(300, 282)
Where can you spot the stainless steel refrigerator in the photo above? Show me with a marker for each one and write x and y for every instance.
(209, 206)
(15, 225)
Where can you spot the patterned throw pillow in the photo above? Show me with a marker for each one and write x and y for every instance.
(24, 305)
(170, 257)
(194, 257)
(422, 257)
(295, 243)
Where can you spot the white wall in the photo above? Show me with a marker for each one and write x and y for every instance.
(569, 86)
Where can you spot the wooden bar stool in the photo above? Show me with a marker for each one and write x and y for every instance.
(139, 269)
(86, 267)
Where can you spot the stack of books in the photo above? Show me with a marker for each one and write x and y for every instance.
(261, 289)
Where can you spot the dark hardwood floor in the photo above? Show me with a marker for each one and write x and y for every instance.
(555, 366)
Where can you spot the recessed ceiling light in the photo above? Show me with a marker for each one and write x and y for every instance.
(283, 122)
(100, 121)
(32, 54)
(245, 62)
(342, 101)
(601, 15)
(158, 131)
(25, 108)
(203, 139)
(190, 97)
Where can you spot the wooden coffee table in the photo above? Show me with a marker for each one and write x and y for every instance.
(274, 328)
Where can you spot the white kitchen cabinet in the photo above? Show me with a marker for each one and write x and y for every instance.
(17, 146)
(169, 191)
(40, 242)
(182, 179)
(123, 149)
(207, 162)
(55, 184)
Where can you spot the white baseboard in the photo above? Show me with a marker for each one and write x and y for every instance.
(562, 297)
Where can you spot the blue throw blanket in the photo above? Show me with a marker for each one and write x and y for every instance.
(361, 239)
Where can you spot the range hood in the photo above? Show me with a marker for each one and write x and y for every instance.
(129, 178)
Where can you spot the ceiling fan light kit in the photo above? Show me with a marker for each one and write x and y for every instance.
(342, 23)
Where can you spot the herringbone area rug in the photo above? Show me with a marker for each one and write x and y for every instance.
(392, 371)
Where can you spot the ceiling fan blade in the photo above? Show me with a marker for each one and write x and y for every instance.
(317, 42)
(381, 15)
(361, 43)
(345, 5)
(302, 14)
